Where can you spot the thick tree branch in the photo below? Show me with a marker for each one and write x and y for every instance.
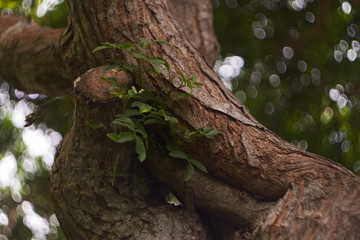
(75, 165)
(247, 154)
(29, 57)
(88, 206)
(44, 60)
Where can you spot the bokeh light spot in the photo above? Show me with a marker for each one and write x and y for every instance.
(241, 95)
(351, 55)
(259, 33)
(288, 52)
(274, 80)
(334, 94)
(269, 108)
(301, 66)
(226, 71)
(310, 17)
(346, 7)
(338, 56)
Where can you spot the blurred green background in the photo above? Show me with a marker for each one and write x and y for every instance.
(300, 79)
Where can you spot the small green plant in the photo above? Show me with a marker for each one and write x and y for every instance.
(142, 108)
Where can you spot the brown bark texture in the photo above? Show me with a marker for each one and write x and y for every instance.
(29, 58)
(258, 185)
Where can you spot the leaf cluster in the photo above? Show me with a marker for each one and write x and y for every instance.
(139, 52)
(144, 60)
(142, 108)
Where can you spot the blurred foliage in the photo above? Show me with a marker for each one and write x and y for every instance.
(44, 12)
(26, 204)
(295, 52)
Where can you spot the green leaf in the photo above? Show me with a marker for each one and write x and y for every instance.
(189, 172)
(137, 104)
(144, 41)
(156, 68)
(100, 48)
(110, 67)
(197, 84)
(154, 60)
(145, 108)
(168, 117)
(208, 132)
(164, 62)
(131, 67)
(121, 137)
(212, 133)
(139, 47)
(126, 45)
(205, 130)
(139, 56)
(140, 148)
(172, 199)
(173, 120)
(194, 79)
(140, 129)
(197, 164)
(126, 122)
(179, 154)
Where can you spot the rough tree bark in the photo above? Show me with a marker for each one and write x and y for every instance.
(258, 186)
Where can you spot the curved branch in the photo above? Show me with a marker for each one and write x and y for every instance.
(247, 154)
(29, 57)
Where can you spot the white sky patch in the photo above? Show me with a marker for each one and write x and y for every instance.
(38, 225)
(346, 7)
(235, 61)
(334, 94)
(41, 143)
(4, 220)
(229, 69)
(46, 5)
(226, 71)
(21, 110)
(8, 168)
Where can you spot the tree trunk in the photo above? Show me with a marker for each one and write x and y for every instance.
(258, 185)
